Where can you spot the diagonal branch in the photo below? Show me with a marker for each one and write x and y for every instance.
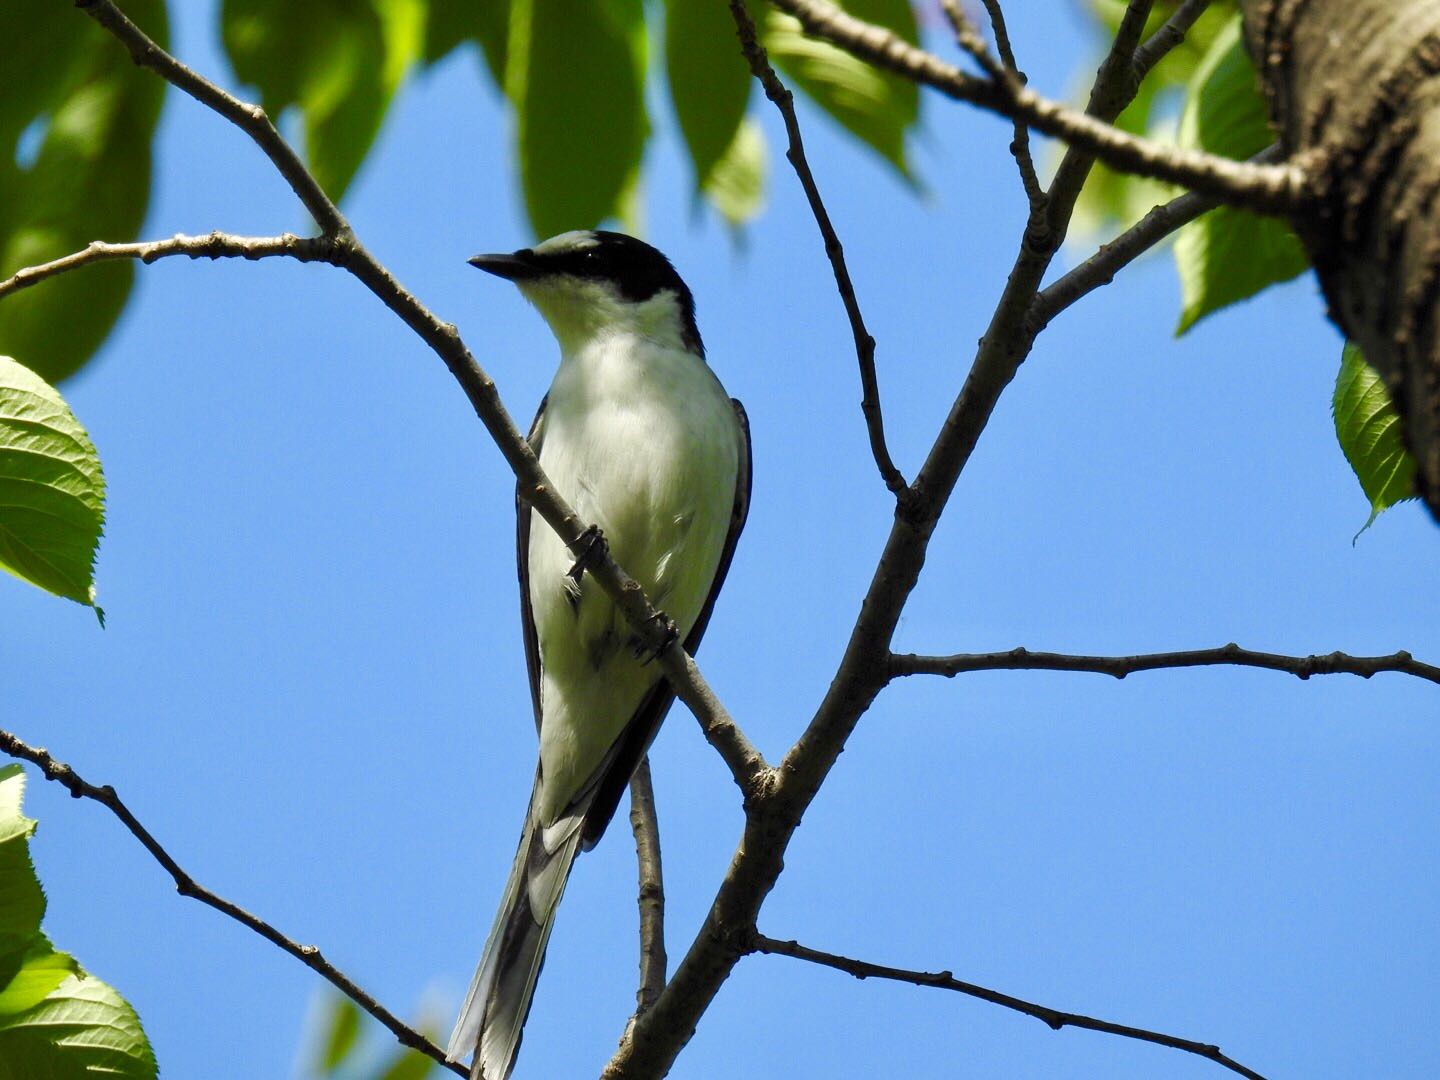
(215, 245)
(185, 885)
(1280, 188)
(1170, 34)
(646, 826)
(1301, 667)
(864, 343)
(1101, 268)
(944, 980)
(747, 765)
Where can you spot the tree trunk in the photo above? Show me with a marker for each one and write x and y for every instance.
(1354, 86)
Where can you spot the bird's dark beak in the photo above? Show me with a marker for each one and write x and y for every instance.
(517, 266)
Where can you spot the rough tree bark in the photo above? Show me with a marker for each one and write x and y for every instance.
(1354, 86)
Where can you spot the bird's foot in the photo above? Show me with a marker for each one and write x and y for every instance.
(672, 635)
(592, 547)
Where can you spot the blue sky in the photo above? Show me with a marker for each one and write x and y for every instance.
(312, 690)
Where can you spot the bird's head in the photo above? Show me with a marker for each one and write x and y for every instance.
(591, 283)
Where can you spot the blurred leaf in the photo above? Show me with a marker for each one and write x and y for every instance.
(736, 186)
(709, 80)
(1369, 429)
(340, 61)
(408, 1065)
(89, 179)
(451, 22)
(56, 1022)
(1229, 255)
(575, 75)
(52, 492)
(875, 106)
(340, 1030)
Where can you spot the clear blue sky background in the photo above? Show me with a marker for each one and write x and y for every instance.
(312, 688)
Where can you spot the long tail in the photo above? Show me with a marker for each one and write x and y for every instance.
(493, 1016)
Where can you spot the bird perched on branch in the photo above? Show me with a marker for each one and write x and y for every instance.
(641, 438)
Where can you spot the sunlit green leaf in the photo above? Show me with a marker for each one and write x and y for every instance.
(1370, 433)
(736, 186)
(575, 75)
(1229, 255)
(39, 970)
(82, 1028)
(87, 113)
(340, 61)
(709, 79)
(22, 903)
(52, 492)
(56, 1022)
(876, 106)
(451, 22)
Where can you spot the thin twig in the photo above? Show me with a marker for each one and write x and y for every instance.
(215, 245)
(967, 36)
(1007, 69)
(646, 826)
(747, 765)
(944, 980)
(834, 251)
(185, 885)
(1271, 188)
(1169, 35)
(1302, 667)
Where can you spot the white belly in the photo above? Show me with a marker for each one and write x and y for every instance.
(644, 442)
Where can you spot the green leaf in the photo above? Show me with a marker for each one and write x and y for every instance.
(575, 75)
(408, 1065)
(22, 903)
(39, 971)
(340, 61)
(875, 106)
(451, 22)
(83, 1028)
(56, 1022)
(1370, 433)
(340, 1031)
(736, 185)
(709, 80)
(52, 492)
(1229, 255)
(95, 112)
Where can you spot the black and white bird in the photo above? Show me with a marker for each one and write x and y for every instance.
(639, 435)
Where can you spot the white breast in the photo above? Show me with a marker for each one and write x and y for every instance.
(641, 439)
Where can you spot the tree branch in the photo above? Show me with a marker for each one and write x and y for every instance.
(1170, 34)
(1279, 188)
(834, 251)
(646, 827)
(747, 765)
(1302, 667)
(215, 245)
(1101, 268)
(944, 980)
(774, 810)
(185, 885)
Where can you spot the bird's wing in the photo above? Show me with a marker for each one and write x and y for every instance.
(613, 775)
(523, 514)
